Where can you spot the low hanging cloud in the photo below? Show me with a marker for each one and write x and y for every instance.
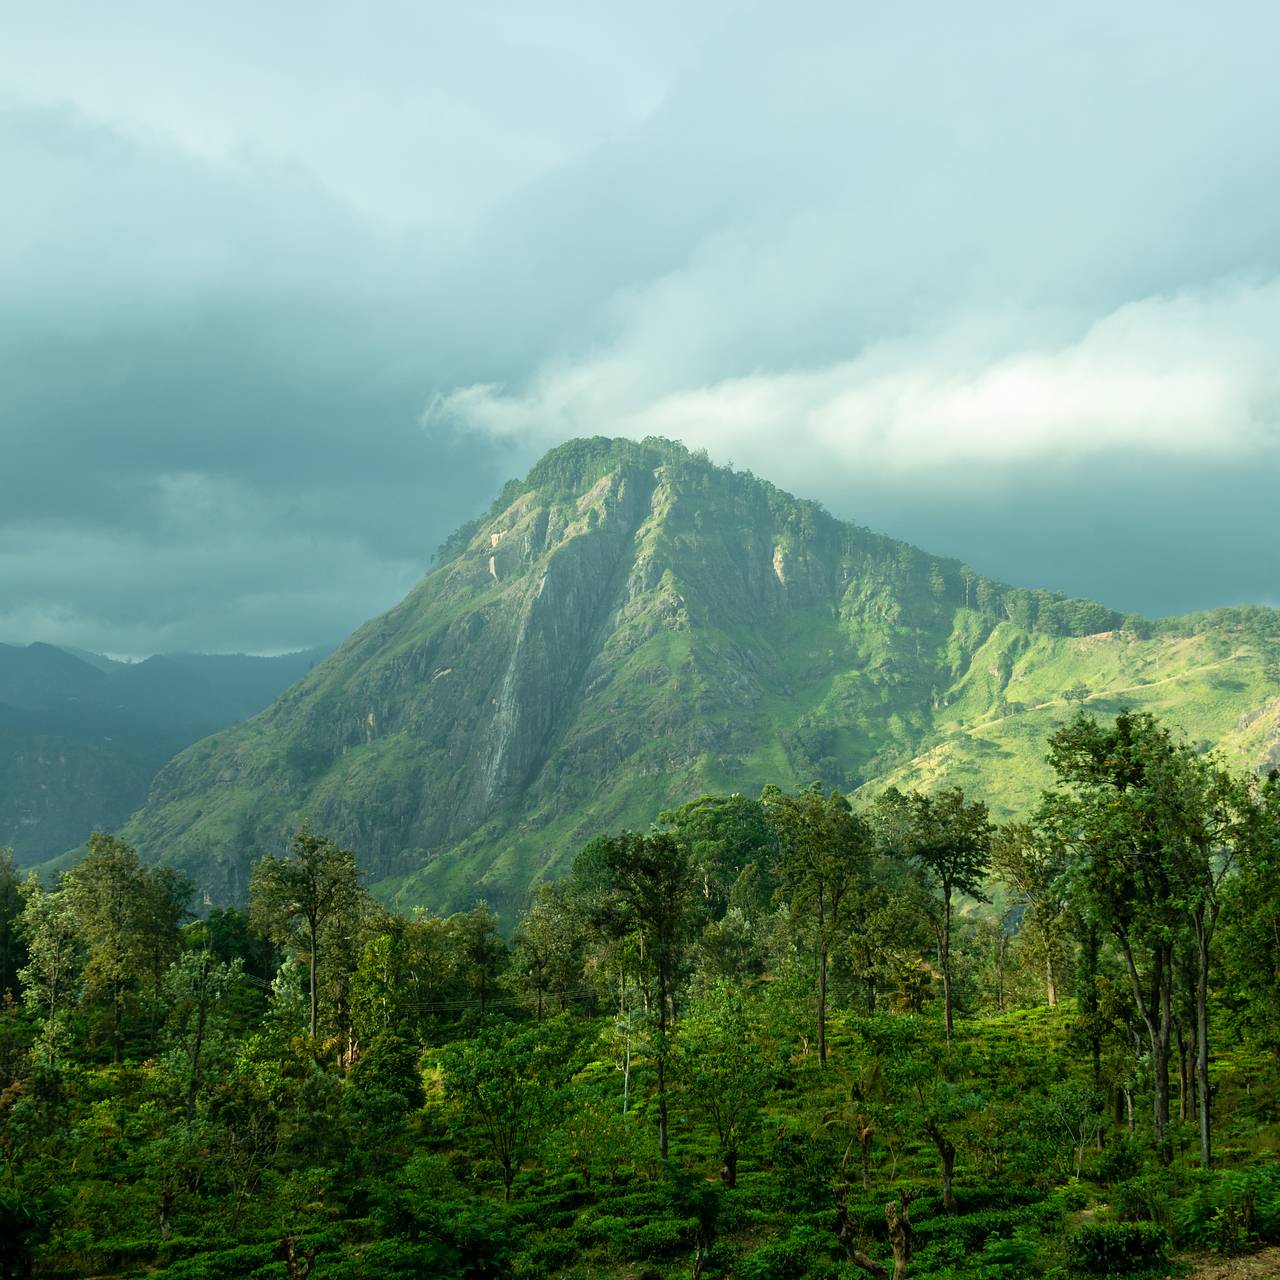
(1185, 377)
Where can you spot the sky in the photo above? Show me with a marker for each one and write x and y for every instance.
(287, 291)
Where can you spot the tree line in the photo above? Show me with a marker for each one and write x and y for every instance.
(669, 990)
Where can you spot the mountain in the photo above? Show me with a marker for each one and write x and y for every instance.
(81, 735)
(631, 626)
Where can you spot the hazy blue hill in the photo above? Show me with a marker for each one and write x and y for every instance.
(629, 626)
(81, 736)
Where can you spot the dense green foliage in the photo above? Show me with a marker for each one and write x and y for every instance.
(786, 1037)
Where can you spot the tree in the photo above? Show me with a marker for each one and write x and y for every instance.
(728, 836)
(1250, 940)
(1210, 820)
(1075, 1112)
(197, 984)
(1111, 810)
(1032, 864)
(52, 977)
(13, 949)
(641, 887)
(492, 1078)
(949, 843)
(481, 952)
(291, 899)
(723, 1071)
(547, 964)
(824, 854)
(128, 917)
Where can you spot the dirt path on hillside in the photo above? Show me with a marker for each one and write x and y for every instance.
(1257, 1266)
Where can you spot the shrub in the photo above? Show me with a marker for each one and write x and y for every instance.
(1118, 1160)
(1116, 1249)
(1145, 1198)
(785, 1259)
(1232, 1211)
(1012, 1259)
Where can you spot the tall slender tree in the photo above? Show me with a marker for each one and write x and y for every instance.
(948, 840)
(128, 918)
(823, 860)
(641, 886)
(292, 899)
(1113, 808)
(1032, 864)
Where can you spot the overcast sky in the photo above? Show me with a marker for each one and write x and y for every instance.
(288, 290)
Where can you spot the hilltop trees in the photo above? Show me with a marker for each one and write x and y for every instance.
(459, 1105)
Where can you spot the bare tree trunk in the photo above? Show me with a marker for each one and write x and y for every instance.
(1204, 937)
(947, 1159)
(846, 1234)
(296, 1266)
(948, 1153)
(944, 963)
(1050, 984)
(900, 1233)
(822, 1006)
(315, 994)
(1184, 1083)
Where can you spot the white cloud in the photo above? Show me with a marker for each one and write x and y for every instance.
(1193, 375)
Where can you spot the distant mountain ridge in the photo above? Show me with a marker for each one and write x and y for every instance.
(631, 625)
(82, 735)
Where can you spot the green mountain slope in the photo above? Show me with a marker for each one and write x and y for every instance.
(630, 626)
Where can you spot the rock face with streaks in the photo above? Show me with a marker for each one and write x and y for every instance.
(627, 627)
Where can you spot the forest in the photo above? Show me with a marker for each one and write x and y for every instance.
(769, 1037)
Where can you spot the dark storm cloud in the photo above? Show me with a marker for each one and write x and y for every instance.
(285, 294)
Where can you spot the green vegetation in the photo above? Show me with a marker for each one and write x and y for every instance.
(780, 1038)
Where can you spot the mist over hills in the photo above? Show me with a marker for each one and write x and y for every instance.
(82, 735)
(630, 626)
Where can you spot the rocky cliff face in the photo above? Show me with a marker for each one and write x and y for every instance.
(627, 627)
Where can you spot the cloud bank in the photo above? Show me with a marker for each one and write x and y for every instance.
(285, 296)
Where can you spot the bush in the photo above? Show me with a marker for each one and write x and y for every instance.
(1012, 1259)
(1116, 1249)
(1231, 1211)
(785, 1259)
(1146, 1198)
(1119, 1159)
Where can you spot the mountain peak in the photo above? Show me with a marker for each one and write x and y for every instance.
(628, 627)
